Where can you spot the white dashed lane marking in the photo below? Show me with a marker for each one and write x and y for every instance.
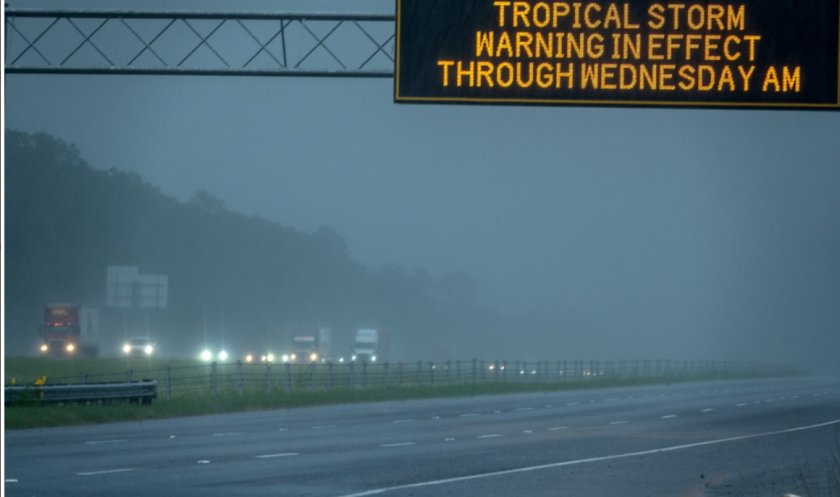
(523, 409)
(668, 416)
(708, 409)
(282, 454)
(229, 434)
(105, 472)
(97, 442)
(557, 428)
(492, 435)
(321, 427)
(470, 414)
(398, 444)
(403, 421)
(619, 422)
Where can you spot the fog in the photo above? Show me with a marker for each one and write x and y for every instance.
(595, 233)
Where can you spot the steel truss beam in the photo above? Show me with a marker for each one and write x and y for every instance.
(198, 43)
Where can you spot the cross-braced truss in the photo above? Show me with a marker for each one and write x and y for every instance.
(199, 43)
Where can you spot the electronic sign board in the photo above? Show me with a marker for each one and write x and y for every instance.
(741, 53)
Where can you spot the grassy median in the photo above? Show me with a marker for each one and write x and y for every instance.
(296, 390)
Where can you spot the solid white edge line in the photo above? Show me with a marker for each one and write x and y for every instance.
(104, 472)
(672, 448)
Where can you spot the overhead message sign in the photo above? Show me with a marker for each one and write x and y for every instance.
(748, 53)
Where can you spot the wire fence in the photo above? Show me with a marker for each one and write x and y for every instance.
(240, 377)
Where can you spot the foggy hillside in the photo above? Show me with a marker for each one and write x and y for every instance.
(242, 282)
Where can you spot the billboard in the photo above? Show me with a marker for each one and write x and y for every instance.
(127, 288)
(745, 54)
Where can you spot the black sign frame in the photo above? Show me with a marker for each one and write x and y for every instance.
(434, 35)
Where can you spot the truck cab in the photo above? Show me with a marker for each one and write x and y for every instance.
(370, 345)
(69, 330)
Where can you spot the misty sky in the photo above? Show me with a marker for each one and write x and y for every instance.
(692, 229)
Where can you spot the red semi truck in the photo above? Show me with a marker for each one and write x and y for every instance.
(69, 330)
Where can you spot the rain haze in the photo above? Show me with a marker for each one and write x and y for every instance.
(589, 233)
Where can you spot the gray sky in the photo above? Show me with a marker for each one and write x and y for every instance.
(698, 230)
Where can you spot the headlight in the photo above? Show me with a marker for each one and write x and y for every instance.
(285, 357)
(126, 349)
(71, 347)
(293, 357)
(206, 355)
(249, 358)
(373, 358)
(353, 358)
(269, 357)
(223, 355)
(341, 359)
(313, 357)
(44, 347)
(148, 349)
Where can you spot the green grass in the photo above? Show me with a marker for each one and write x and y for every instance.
(288, 388)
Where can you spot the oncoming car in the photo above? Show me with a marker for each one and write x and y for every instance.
(138, 347)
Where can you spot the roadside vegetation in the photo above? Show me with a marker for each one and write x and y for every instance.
(231, 388)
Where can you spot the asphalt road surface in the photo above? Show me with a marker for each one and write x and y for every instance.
(739, 438)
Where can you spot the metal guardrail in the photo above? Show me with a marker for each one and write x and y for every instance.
(138, 391)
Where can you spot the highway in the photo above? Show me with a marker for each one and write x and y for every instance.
(747, 437)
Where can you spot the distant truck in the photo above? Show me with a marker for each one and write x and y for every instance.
(370, 346)
(310, 347)
(69, 330)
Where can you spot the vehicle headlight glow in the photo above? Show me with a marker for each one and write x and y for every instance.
(373, 358)
(126, 349)
(71, 347)
(44, 347)
(313, 357)
(206, 355)
(249, 358)
(353, 358)
(223, 355)
(148, 349)
(293, 357)
(269, 357)
(285, 357)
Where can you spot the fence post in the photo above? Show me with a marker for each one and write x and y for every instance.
(387, 367)
(313, 375)
(288, 377)
(267, 377)
(431, 373)
(213, 380)
(419, 370)
(458, 371)
(364, 374)
(330, 375)
(351, 373)
(475, 371)
(168, 382)
(240, 385)
(400, 368)
(130, 375)
(84, 378)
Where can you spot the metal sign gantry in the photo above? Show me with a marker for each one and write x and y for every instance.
(198, 43)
